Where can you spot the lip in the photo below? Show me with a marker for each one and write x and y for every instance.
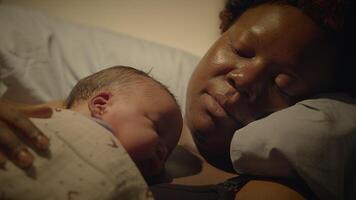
(220, 102)
(213, 106)
(217, 112)
(220, 98)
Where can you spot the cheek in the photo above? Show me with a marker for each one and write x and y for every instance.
(274, 101)
(140, 144)
(217, 61)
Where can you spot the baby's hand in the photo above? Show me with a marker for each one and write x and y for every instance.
(15, 125)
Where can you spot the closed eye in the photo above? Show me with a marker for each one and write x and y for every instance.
(283, 93)
(282, 82)
(244, 47)
(244, 53)
(155, 127)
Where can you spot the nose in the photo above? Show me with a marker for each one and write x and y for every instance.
(249, 79)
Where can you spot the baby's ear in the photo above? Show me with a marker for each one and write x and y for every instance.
(98, 104)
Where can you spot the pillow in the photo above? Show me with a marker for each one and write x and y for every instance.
(42, 58)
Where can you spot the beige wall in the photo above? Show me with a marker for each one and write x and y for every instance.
(191, 25)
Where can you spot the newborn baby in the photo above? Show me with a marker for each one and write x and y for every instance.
(139, 111)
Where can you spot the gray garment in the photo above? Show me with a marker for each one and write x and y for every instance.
(315, 138)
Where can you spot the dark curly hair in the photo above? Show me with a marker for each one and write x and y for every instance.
(335, 17)
(329, 14)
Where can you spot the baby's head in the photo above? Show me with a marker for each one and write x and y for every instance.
(141, 111)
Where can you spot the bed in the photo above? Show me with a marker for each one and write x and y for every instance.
(41, 58)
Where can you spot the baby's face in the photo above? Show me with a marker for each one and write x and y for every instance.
(147, 122)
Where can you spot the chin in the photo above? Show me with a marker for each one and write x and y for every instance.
(149, 168)
(201, 121)
(147, 174)
(213, 130)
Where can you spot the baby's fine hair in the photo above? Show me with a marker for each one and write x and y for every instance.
(112, 76)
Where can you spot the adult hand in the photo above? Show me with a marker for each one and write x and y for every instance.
(16, 128)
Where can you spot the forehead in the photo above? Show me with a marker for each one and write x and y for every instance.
(156, 104)
(272, 16)
(148, 97)
(281, 28)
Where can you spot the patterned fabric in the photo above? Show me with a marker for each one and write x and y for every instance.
(86, 162)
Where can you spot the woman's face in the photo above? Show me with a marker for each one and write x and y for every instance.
(268, 59)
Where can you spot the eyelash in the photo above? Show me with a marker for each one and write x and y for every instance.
(280, 91)
(156, 128)
(243, 54)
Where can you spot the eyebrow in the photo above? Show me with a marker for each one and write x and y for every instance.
(252, 33)
(249, 33)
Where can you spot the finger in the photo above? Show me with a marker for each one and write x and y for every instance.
(13, 147)
(27, 128)
(37, 112)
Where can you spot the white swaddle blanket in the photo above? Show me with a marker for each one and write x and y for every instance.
(86, 162)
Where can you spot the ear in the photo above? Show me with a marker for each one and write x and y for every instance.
(99, 103)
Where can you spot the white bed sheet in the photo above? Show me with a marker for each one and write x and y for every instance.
(41, 58)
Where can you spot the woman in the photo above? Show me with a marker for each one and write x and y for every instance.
(271, 55)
